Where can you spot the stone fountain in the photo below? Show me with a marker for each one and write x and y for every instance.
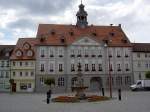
(79, 85)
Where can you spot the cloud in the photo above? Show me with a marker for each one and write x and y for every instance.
(23, 23)
(20, 18)
(1, 35)
(38, 7)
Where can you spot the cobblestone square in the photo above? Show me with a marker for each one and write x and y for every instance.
(131, 102)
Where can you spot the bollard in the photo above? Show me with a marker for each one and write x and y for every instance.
(119, 94)
(47, 101)
(103, 93)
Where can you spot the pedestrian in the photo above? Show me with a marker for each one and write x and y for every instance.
(49, 96)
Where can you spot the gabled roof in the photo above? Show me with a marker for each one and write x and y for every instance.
(141, 47)
(5, 51)
(20, 46)
(54, 33)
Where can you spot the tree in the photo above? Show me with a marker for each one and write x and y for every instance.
(50, 81)
(11, 81)
(147, 74)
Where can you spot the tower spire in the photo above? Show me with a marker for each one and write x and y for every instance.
(81, 17)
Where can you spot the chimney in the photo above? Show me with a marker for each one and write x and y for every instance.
(111, 24)
(119, 25)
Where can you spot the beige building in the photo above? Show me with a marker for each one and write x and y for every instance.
(23, 65)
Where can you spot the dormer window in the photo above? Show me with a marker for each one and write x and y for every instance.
(105, 41)
(18, 53)
(30, 53)
(94, 34)
(71, 33)
(124, 40)
(52, 32)
(62, 40)
(112, 34)
(26, 46)
(42, 38)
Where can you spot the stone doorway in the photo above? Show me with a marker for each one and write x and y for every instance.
(95, 84)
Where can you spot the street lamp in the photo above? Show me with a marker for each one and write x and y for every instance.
(109, 72)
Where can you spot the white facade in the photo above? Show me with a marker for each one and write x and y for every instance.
(61, 63)
(4, 75)
(141, 64)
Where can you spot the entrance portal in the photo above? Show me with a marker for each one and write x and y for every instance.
(95, 84)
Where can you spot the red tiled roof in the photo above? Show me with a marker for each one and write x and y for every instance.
(4, 49)
(101, 33)
(141, 47)
(19, 46)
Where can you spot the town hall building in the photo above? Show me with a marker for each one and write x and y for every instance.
(101, 50)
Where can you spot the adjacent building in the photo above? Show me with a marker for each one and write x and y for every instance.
(5, 52)
(141, 60)
(23, 65)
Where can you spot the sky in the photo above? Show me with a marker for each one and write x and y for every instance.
(20, 18)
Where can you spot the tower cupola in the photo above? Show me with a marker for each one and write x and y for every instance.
(81, 17)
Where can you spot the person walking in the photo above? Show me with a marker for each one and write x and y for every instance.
(49, 92)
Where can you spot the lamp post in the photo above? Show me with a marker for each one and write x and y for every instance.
(109, 72)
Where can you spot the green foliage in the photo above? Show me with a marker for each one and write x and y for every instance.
(147, 74)
(11, 81)
(49, 81)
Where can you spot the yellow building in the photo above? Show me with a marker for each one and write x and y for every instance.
(23, 65)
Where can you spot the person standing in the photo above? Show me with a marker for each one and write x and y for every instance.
(49, 96)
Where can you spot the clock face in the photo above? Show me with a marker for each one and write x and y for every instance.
(29, 53)
(18, 53)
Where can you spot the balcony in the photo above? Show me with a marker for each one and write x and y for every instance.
(99, 56)
(72, 55)
(100, 70)
(42, 70)
(79, 55)
(60, 56)
(110, 56)
(119, 70)
(42, 56)
(127, 69)
(51, 56)
(93, 56)
(60, 70)
(118, 56)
